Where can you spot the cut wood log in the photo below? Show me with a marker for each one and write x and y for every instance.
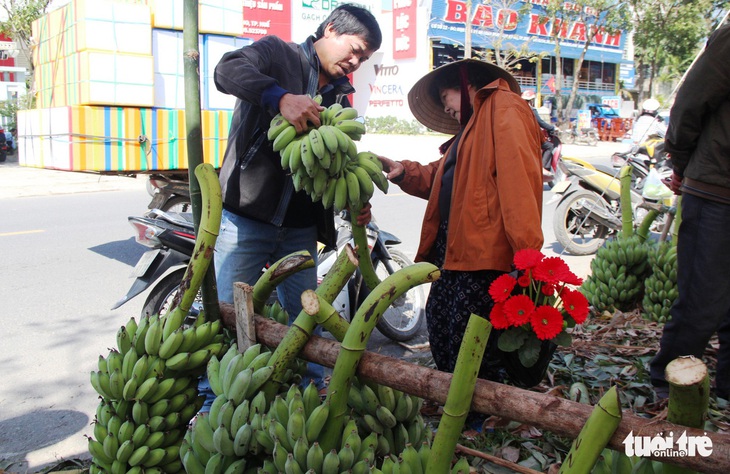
(560, 416)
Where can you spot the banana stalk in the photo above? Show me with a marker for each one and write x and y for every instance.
(277, 273)
(210, 221)
(689, 391)
(357, 337)
(324, 314)
(360, 238)
(677, 221)
(643, 230)
(302, 327)
(627, 214)
(595, 435)
(460, 394)
(689, 398)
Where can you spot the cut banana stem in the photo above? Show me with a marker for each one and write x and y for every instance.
(461, 391)
(357, 337)
(324, 314)
(595, 435)
(689, 391)
(210, 222)
(302, 327)
(276, 273)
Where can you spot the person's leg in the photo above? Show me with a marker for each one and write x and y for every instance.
(243, 248)
(704, 289)
(288, 241)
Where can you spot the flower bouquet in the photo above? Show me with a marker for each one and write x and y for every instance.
(535, 309)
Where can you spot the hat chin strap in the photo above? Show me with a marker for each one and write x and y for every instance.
(466, 109)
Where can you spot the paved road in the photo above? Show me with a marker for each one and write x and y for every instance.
(46, 402)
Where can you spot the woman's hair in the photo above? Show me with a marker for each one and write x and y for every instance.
(450, 78)
(350, 19)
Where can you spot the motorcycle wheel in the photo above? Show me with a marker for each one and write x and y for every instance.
(163, 293)
(402, 320)
(177, 204)
(592, 139)
(577, 235)
(3, 156)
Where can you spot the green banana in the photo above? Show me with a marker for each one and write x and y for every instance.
(277, 125)
(317, 143)
(366, 185)
(346, 113)
(284, 137)
(352, 128)
(329, 138)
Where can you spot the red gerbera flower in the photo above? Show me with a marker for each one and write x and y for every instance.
(573, 279)
(547, 322)
(552, 270)
(502, 287)
(576, 305)
(518, 309)
(547, 289)
(497, 317)
(527, 258)
(524, 281)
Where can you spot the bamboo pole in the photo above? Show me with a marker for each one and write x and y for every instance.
(560, 416)
(194, 141)
(461, 391)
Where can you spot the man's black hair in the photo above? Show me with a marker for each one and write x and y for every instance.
(350, 19)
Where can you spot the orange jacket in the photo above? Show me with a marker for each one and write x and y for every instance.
(496, 206)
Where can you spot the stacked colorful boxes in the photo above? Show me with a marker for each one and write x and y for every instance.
(110, 85)
(222, 17)
(84, 138)
(94, 52)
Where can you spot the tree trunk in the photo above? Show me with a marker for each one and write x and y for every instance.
(560, 416)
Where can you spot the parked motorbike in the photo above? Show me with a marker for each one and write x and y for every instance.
(171, 239)
(170, 192)
(556, 170)
(579, 136)
(402, 320)
(649, 154)
(589, 209)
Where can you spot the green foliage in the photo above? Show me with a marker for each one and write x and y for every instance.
(393, 125)
(9, 109)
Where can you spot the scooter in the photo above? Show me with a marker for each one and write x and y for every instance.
(589, 208)
(579, 136)
(170, 192)
(557, 174)
(171, 239)
(402, 320)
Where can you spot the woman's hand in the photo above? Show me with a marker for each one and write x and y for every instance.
(393, 169)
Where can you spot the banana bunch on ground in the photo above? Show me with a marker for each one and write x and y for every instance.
(660, 289)
(618, 273)
(148, 388)
(226, 440)
(276, 312)
(393, 415)
(324, 161)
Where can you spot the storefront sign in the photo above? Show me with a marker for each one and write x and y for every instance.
(267, 17)
(404, 29)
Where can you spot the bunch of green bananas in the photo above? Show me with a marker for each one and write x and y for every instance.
(618, 272)
(324, 161)
(660, 289)
(225, 439)
(393, 415)
(276, 312)
(148, 388)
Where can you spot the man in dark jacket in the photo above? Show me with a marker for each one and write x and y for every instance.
(699, 144)
(264, 219)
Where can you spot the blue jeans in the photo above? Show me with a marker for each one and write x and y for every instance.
(703, 305)
(244, 246)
